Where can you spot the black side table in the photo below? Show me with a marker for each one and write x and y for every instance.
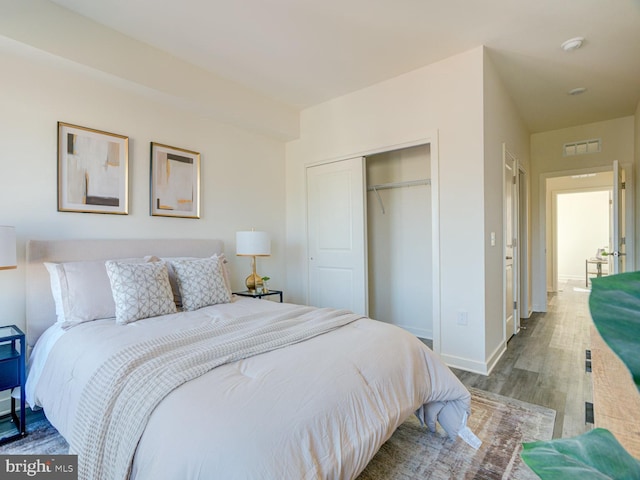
(253, 294)
(12, 374)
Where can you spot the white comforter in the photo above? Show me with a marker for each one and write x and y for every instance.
(320, 408)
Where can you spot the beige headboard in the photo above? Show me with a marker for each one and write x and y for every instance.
(40, 309)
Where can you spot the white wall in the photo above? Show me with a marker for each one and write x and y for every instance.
(463, 100)
(502, 125)
(42, 26)
(242, 172)
(547, 161)
(583, 227)
(444, 98)
(399, 241)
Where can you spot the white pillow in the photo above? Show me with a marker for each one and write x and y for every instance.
(140, 290)
(81, 291)
(201, 282)
(177, 297)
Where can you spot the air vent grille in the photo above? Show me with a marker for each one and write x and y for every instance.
(582, 148)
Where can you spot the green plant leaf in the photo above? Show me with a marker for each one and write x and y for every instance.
(614, 303)
(594, 455)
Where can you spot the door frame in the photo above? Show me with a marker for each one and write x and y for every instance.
(524, 256)
(541, 285)
(431, 139)
(618, 219)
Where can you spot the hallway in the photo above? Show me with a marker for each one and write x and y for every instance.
(545, 363)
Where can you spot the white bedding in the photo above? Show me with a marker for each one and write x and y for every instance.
(316, 409)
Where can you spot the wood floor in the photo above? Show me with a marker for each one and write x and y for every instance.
(545, 363)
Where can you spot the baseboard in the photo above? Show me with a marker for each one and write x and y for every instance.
(565, 278)
(473, 366)
(495, 357)
(527, 315)
(465, 364)
(418, 332)
(539, 308)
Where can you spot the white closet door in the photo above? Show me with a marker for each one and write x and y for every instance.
(336, 235)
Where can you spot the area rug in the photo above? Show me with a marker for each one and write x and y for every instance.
(501, 423)
(41, 439)
(412, 452)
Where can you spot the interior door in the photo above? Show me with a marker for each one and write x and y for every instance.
(511, 317)
(618, 217)
(336, 235)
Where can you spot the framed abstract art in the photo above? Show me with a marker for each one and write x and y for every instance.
(175, 182)
(93, 169)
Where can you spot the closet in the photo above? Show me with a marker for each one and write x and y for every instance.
(369, 226)
(399, 253)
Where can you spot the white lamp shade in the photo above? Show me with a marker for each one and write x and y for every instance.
(7, 248)
(253, 243)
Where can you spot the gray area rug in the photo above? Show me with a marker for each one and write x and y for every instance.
(501, 423)
(41, 439)
(412, 452)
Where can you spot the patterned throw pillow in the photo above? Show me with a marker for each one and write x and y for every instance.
(201, 282)
(140, 290)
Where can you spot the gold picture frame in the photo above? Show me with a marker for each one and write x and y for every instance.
(93, 170)
(175, 182)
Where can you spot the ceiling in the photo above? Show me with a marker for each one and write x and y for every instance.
(304, 52)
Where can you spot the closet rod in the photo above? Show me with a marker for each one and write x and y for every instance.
(408, 183)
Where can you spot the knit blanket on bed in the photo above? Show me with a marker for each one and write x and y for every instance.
(125, 390)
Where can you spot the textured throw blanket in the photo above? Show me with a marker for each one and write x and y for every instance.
(125, 390)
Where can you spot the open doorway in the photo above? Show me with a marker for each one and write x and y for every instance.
(583, 235)
(578, 228)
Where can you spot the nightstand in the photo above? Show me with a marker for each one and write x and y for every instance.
(12, 374)
(249, 293)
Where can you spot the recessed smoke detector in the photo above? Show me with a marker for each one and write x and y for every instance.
(577, 91)
(572, 44)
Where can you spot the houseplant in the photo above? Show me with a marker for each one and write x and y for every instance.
(614, 303)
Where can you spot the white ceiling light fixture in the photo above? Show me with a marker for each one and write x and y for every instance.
(572, 44)
(577, 91)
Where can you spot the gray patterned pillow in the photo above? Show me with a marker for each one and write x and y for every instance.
(140, 290)
(201, 282)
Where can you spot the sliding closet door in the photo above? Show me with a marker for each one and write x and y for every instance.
(336, 235)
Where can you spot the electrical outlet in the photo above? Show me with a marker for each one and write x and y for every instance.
(493, 239)
(463, 318)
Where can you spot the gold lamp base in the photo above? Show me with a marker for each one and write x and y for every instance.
(254, 280)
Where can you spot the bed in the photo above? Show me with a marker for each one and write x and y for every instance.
(241, 388)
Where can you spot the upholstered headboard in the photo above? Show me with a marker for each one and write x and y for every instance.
(40, 309)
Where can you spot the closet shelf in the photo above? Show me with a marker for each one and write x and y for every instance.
(408, 183)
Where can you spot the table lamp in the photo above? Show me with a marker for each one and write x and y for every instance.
(253, 244)
(8, 258)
